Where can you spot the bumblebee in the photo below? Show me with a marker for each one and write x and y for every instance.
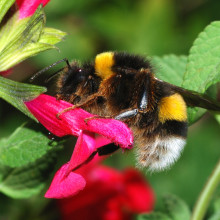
(123, 86)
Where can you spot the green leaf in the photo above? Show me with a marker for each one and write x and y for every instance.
(25, 181)
(25, 145)
(23, 38)
(215, 216)
(176, 208)
(203, 68)
(17, 34)
(51, 36)
(17, 93)
(217, 117)
(215, 207)
(4, 6)
(154, 216)
(170, 68)
(216, 203)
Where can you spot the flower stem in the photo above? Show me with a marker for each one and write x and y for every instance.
(206, 194)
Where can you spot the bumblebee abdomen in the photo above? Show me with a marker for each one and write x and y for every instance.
(163, 142)
(161, 153)
(172, 107)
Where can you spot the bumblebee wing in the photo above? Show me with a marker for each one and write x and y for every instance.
(195, 99)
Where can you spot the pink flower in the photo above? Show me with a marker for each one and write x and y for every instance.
(28, 7)
(92, 135)
(108, 195)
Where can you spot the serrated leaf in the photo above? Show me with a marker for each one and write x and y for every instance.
(176, 208)
(23, 182)
(170, 68)
(203, 68)
(17, 93)
(154, 216)
(25, 145)
(4, 6)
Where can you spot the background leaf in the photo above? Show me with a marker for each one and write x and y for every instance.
(217, 117)
(17, 93)
(25, 145)
(215, 216)
(170, 68)
(203, 67)
(26, 181)
(154, 216)
(176, 208)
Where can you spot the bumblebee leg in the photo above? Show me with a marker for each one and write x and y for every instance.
(97, 117)
(86, 102)
(123, 115)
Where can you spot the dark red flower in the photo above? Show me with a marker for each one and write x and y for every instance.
(92, 135)
(108, 195)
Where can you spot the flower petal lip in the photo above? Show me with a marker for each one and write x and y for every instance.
(84, 147)
(45, 109)
(64, 186)
(65, 177)
(28, 7)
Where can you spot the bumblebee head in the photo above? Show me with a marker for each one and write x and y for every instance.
(103, 64)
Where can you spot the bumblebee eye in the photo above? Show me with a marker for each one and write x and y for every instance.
(78, 70)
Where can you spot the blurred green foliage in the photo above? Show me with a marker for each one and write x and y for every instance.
(147, 27)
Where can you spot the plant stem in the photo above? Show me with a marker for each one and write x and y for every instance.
(206, 194)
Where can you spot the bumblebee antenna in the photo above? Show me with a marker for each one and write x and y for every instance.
(48, 67)
(53, 75)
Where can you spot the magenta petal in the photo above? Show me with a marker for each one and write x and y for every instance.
(84, 147)
(28, 7)
(115, 130)
(45, 108)
(101, 141)
(64, 185)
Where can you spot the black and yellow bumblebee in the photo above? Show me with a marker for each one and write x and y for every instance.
(123, 86)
